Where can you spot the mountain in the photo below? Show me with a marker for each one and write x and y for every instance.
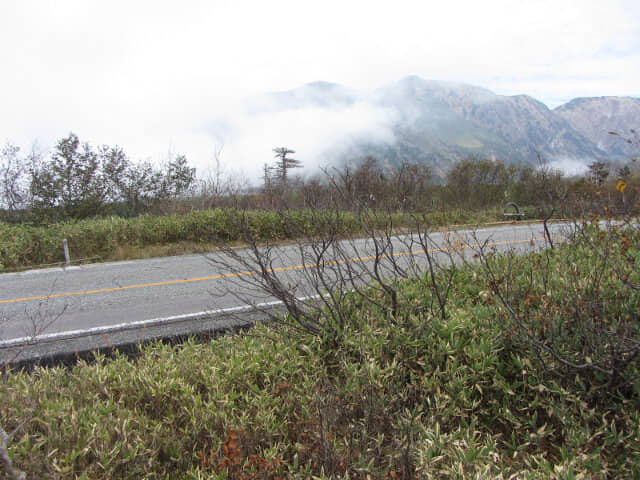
(596, 117)
(471, 120)
(439, 123)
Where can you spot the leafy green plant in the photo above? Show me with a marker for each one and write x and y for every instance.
(575, 309)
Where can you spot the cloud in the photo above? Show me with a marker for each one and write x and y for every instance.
(570, 166)
(318, 134)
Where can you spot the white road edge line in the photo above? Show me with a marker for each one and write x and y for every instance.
(50, 337)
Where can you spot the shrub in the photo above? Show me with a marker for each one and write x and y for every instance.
(574, 309)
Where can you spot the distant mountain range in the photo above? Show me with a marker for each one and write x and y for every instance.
(439, 123)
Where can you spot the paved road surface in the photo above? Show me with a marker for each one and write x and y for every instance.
(54, 311)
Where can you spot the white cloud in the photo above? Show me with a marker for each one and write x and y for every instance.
(570, 166)
(315, 133)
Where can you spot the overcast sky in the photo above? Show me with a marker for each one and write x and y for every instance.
(152, 76)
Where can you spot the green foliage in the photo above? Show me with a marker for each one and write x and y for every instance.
(70, 179)
(177, 180)
(78, 181)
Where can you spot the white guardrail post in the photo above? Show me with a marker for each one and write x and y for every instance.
(65, 245)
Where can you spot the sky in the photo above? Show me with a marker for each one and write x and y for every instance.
(155, 77)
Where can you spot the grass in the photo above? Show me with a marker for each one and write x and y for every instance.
(413, 396)
(115, 238)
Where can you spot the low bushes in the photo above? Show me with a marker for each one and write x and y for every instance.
(25, 245)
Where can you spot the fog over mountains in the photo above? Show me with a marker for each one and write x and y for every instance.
(438, 123)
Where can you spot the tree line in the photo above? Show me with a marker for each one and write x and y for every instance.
(78, 180)
(471, 183)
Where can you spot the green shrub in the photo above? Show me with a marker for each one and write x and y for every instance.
(574, 310)
(26, 245)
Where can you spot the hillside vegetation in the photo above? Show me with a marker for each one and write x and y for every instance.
(114, 238)
(532, 373)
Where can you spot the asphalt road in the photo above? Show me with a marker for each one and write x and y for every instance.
(64, 310)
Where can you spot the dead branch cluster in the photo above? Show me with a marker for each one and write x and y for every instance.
(329, 271)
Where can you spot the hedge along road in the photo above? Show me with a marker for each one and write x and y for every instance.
(53, 312)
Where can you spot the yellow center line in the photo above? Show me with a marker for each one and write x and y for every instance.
(254, 272)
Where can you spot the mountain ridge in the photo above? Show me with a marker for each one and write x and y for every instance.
(439, 122)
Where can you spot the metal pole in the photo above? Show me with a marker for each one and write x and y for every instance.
(67, 259)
